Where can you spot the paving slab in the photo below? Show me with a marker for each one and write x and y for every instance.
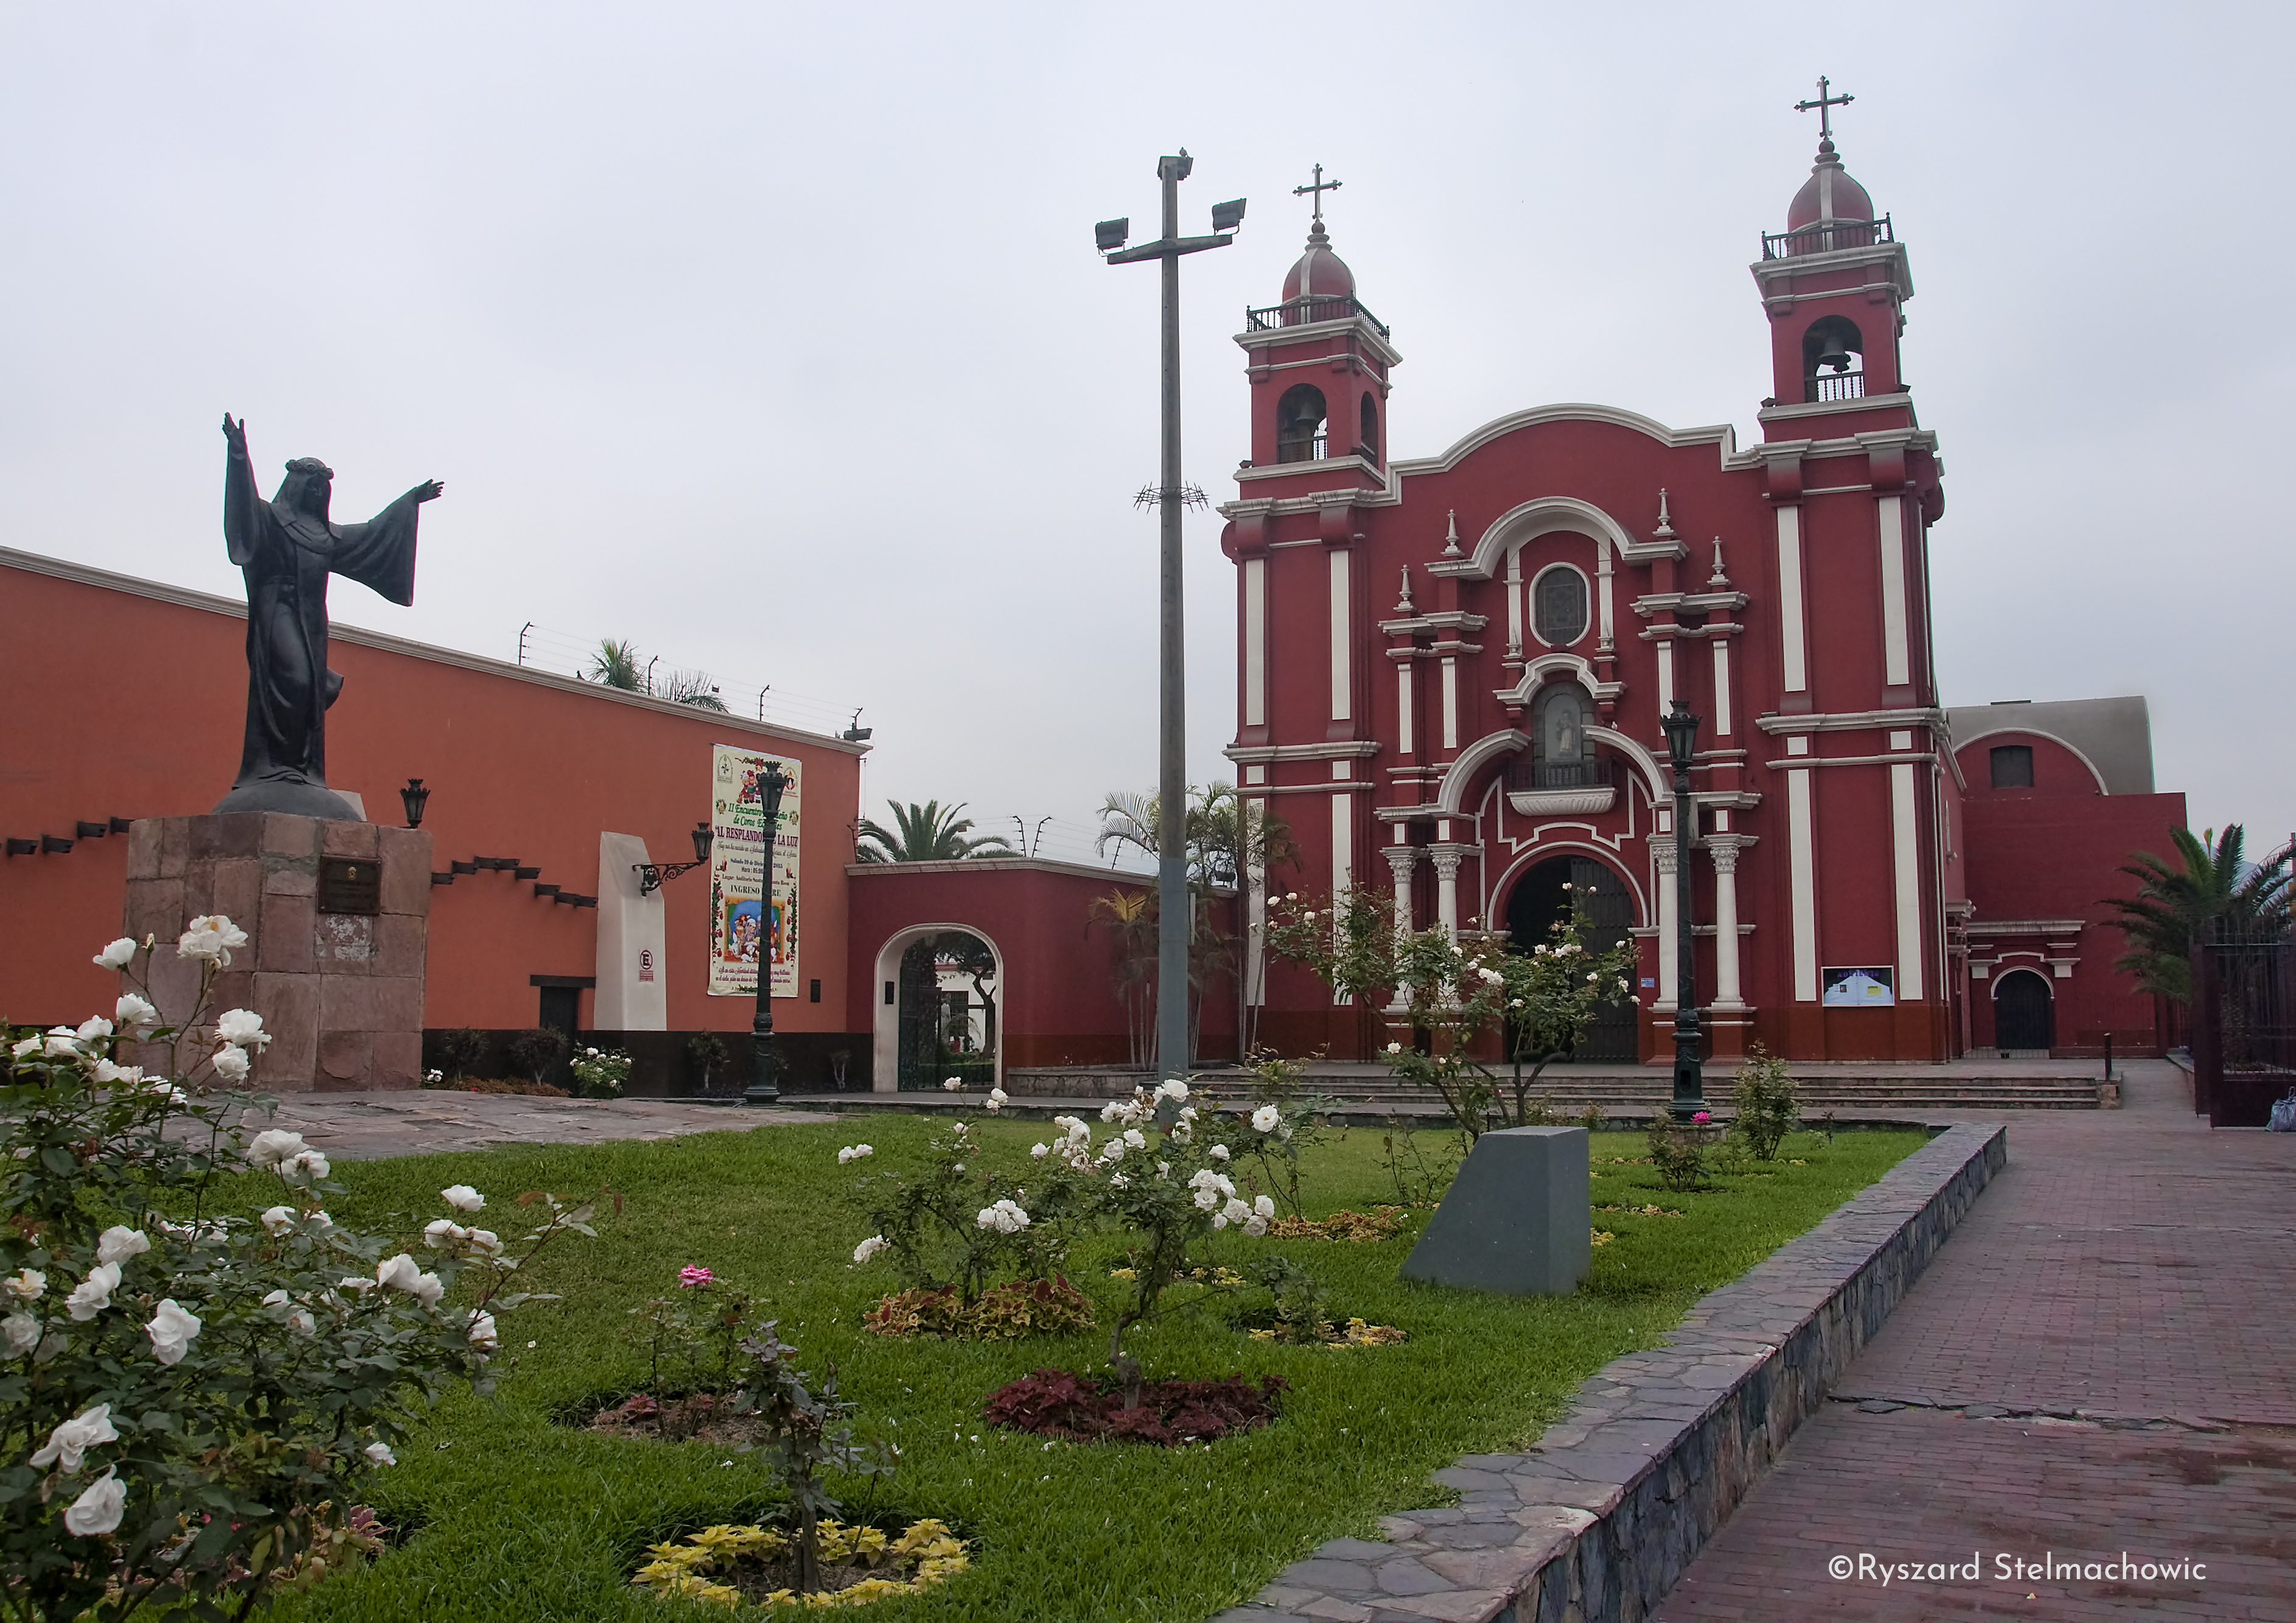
(428, 1121)
(2098, 1363)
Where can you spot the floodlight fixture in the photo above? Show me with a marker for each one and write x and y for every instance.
(1227, 216)
(1111, 235)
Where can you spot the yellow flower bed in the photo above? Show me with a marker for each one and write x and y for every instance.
(926, 1554)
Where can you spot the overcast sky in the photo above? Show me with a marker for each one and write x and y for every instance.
(772, 337)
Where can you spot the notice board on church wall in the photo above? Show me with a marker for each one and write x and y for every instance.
(742, 930)
(1860, 987)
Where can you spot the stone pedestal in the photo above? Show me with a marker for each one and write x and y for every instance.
(339, 983)
(1516, 1220)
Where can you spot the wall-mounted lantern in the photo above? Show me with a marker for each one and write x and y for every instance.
(653, 875)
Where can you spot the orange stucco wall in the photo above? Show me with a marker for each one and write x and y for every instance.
(115, 703)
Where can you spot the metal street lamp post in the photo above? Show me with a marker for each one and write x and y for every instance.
(1172, 495)
(764, 1064)
(1689, 1078)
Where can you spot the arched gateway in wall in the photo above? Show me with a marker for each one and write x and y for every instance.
(918, 1033)
(1542, 894)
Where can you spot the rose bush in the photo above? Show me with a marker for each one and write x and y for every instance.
(191, 1399)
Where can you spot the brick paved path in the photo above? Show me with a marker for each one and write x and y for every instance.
(2102, 1358)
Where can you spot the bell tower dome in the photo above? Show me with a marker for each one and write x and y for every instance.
(1318, 364)
(1834, 282)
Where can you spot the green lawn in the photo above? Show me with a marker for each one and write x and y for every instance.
(517, 1518)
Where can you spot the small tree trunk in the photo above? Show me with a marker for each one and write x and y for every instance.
(809, 1548)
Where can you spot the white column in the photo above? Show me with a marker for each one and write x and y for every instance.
(1896, 666)
(1402, 859)
(1603, 590)
(1801, 866)
(1403, 705)
(1255, 642)
(1515, 599)
(1662, 860)
(1721, 686)
(1446, 858)
(1342, 636)
(1790, 635)
(1450, 704)
(1724, 850)
(1905, 831)
(1343, 832)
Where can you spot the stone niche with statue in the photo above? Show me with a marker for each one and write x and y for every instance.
(336, 914)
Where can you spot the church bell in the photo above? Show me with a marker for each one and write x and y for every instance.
(1832, 354)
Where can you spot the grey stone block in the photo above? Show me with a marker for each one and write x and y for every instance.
(1515, 1220)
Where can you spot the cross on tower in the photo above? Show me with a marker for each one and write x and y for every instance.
(1317, 191)
(1825, 104)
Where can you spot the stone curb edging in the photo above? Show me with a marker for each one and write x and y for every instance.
(1599, 1519)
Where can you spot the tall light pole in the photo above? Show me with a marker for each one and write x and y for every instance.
(765, 1064)
(1175, 919)
(1689, 1078)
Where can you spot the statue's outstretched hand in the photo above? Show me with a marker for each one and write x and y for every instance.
(429, 490)
(236, 433)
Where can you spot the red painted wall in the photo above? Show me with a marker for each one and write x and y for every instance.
(121, 704)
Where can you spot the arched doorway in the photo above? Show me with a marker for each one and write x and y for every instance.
(1540, 897)
(939, 1011)
(2025, 1013)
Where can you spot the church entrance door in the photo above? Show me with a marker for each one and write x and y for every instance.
(1539, 899)
(2024, 1015)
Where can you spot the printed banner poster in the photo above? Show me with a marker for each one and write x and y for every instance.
(1868, 987)
(737, 814)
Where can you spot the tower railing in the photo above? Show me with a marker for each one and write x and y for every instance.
(1825, 237)
(1834, 386)
(1311, 307)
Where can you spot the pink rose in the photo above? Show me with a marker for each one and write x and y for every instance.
(1701, 1118)
(689, 1277)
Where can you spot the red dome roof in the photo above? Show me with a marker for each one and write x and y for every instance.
(1320, 273)
(1829, 193)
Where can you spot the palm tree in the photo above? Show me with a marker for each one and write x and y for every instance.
(616, 665)
(925, 833)
(691, 687)
(2212, 888)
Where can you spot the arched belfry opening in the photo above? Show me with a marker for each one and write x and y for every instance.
(1545, 894)
(1367, 441)
(1833, 360)
(1300, 417)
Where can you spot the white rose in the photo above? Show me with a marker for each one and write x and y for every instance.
(380, 1454)
(26, 1284)
(104, 1073)
(1040, 1151)
(1174, 1089)
(22, 1333)
(853, 1153)
(1395, 1048)
(400, 1273)
(428, 1289)
(242, 1028)
(462, 1197)
(97, 1511)
(441, 1231)
(952, 1084)
(94, 1029)
(1265, 1117)
(1208, 1199)
(870, 1246)
(486, 1242)
(1235, 1210)
(1262, 1206)
(132, 1012)
(66, 1443)
(482, 1331)
(26, 1048)
(270, 1148)
(118, 956)
(211, 936)
(231, 1063)
(1255, 1226)
(277, 1220)
(92, 1294)
(171, 1330)
(301, 1323)
(1219, 1152)
(119, 1243)
(305, 1167)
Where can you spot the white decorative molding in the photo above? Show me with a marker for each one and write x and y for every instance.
(1563, 802)
(1536, 672)
(1853, 721)
(1543, 516)
(1959, 744)
(1334, 750)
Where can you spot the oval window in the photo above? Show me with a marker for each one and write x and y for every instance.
(1558, 606)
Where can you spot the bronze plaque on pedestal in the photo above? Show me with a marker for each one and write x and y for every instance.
(350, 884)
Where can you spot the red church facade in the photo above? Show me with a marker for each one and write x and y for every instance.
(1452, 670)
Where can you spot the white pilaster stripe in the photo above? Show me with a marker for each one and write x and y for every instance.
(1905, 831)
(1343, 857)
(1802, 871)
(1403, 707)
(1255, 642)
(1450, 704)
(1895, 665)
(1789, 609)
(1514, 596)
(1603, 585)
(1721, 686)
(1341, 636)
(1664, 677)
